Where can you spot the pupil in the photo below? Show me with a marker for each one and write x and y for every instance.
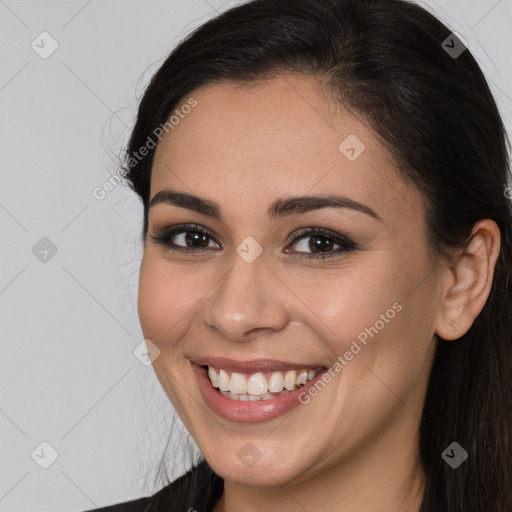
(319, 242)
(194, 236)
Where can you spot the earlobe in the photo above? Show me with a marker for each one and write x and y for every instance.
(467, 282)
(452, 319)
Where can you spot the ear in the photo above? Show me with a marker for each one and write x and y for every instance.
(467, 280)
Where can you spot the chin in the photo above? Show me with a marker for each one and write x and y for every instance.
(252, 473)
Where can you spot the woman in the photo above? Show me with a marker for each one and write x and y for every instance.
(326, 275)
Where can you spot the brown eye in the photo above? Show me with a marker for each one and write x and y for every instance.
(189, 238)
(193, 239)
(321, 243)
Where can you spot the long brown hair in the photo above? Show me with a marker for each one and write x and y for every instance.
(385, 61)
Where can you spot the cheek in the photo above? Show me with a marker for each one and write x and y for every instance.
(369, 317)
(165, 301)
(352, 304)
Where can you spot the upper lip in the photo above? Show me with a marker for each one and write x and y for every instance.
(253, 366)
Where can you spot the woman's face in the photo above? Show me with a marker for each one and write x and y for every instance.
(264, 293)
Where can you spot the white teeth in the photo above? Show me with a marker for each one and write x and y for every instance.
(289, 380)
(257, 384)
(213, 377)
(223, 381)
(252, 398)
(302, 378)
(276, 382)
(238, 384)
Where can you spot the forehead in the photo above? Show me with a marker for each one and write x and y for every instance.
(284, 136)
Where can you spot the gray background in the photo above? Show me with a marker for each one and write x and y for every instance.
(68, 328)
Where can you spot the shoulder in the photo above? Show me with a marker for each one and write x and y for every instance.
(141, 504)
(199, 484)
(137, 505)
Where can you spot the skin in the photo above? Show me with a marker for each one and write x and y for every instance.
(355, 445)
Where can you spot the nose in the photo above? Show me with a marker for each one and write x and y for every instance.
(248, 302)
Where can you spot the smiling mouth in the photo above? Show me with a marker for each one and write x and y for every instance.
(259, 386)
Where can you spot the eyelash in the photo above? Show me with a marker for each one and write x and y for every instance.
(164, 237)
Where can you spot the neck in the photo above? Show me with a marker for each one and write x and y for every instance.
(385, 476)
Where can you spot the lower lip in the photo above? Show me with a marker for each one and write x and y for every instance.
(248, 412)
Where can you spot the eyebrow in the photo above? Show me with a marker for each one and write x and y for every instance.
(278, 209)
